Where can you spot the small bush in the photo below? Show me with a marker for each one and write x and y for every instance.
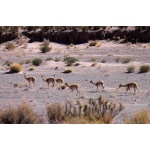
(28, 61)
(142, 117)
(94, 43)
(57, 59)
(15, 68)
(49, 58)
(131, 69)
(10, 46)
(15, 84)
(8, 63)
(23, 114)
(103, 61)
(126, 60)
(93, 59)
(45, 48)
(117, 59)
(36, 61)
(67, 71)
(76, 64)
(70, 60)
(144, 68)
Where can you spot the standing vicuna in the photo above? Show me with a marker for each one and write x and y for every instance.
(129, 86)
(49, 80)
(73, 87)
(30, 79)
(97, 84)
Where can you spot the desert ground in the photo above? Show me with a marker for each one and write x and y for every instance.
(14, 88)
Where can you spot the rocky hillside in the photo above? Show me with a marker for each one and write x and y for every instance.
(77, 34)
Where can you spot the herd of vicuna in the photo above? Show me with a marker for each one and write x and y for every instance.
(60, 81)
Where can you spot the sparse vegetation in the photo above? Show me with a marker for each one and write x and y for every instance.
(45, 48)
(94, 43)
(93, 60)
(23, 114)
(126, 60)
(94, 111)
(103, 61)
(142, 117)
(131, 69)
(15, 68)
(8, 63)
(144, 68)
(49, 58)
(10, 46)
(36, 61)
(15, 84)
(117, 59)
(70, 60)
(57, 59)
(28, 61)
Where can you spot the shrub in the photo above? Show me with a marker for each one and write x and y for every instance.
(126, 60)
(117, 59)
(49, 58)
(69, 70)
(36, 61)
(103, 60)
(93, 59)
(57, 59)
(8, 63)
(28, 61)
(142, 117)
(131, 69)
(76, 64)
(10, 46)
(70, 60)
(144, 68)
(45, 48)
(94, 111)
(15, 68)
(94, 43)
(23, 114)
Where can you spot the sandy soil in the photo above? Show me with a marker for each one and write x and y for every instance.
(111, 72)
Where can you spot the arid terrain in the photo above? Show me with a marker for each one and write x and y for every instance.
(14, 88)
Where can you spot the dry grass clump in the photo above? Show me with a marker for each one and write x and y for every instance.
(94, 43)
(10, 46)
(142, 117)
(144, 68)
(49, 58)
(117, 59)
(45, 48)
(57, 59)
(8, 63)
(28, 61)
(95, 111)
(23, 114)
(15, 68)
(93, 60)
(126, 60)
(103, 61)
(67, 70)
(131, 69)
(31, 69)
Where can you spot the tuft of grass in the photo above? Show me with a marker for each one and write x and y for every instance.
(55, 113)
(23, 114)
(126, 60)
(103, 61)
(15, 68)
(8, 63)
(144, 68)
(15, 84)
(49, 58)
(31, 68)
(142, 117)
(36, 61)
(94, 43)
(93, 60)
(131, 69)
(57, 59)
(10, 46)
(67, 70)
(28, 61)
(117, 59)
(45, 48)
(70, 60)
